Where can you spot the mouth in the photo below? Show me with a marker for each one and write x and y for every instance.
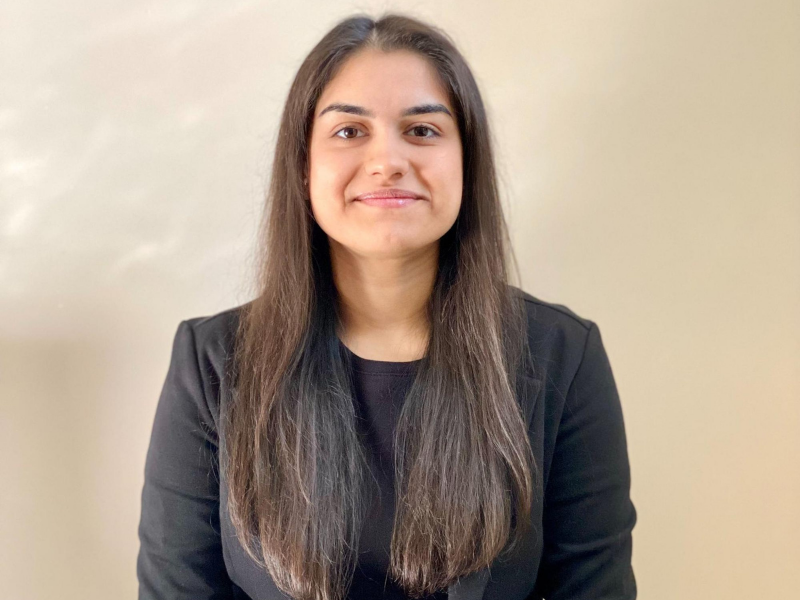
(387, 202)
(389, 198)
(389, 193)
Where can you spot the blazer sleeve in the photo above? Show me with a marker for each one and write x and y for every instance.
(588, 513)
(180, 553)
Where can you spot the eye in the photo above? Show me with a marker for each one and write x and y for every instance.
(348, 127)
(433, 131)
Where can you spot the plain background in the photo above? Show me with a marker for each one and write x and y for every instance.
(649, 157)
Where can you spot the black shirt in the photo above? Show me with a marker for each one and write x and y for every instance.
(380, 387)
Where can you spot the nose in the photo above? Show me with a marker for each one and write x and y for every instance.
(387, 155)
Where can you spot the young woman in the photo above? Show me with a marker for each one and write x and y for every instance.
(389, 417)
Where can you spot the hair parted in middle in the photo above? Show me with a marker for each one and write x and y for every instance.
(296, 468)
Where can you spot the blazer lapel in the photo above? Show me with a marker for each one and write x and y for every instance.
(531, 388)
(472, 586)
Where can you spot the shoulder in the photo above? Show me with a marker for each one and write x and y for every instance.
(554, 322)
(557, 336)
(213, 337)
(550, 326)
(550, 312)
(215, 332)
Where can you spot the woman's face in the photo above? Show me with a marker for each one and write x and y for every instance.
(364, 140)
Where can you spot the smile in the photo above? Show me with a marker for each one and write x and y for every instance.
(389, 202)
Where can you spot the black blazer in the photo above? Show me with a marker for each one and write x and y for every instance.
(580, 547)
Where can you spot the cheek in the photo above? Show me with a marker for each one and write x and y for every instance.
(447, 180)
(329, 175)
(327, 197)
(326, 186)
(327, 209)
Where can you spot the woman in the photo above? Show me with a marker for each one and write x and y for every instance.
(389, 417)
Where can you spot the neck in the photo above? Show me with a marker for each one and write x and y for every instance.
(383, 302)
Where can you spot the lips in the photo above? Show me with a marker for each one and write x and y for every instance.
(389, 202)
(389, 193)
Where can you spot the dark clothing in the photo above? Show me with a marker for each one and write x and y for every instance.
(581, 543)
(380, 388)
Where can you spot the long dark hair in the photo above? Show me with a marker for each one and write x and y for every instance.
(296, 468)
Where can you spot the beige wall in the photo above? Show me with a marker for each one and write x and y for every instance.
(649, 153)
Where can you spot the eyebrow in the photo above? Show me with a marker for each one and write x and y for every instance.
(420, 109)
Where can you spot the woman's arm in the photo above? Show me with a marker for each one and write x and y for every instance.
(588, 513)
(180, 553)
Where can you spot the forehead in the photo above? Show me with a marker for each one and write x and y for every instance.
(384, 81)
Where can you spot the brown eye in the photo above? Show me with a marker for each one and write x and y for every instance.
(349, 128)
(425, 127)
